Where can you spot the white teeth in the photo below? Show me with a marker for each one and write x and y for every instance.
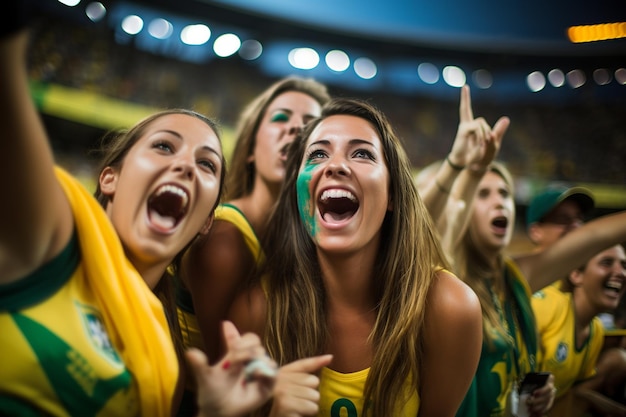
(169, 188)
(617, 286)
(335, 193)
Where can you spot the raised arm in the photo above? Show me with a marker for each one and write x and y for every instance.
(543, 268)
(475, 146)
(35, 217)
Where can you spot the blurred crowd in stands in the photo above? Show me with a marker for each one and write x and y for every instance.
(578, 144)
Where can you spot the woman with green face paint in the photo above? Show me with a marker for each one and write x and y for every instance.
(354, 269)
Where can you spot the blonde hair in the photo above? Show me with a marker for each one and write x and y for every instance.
(471, 265)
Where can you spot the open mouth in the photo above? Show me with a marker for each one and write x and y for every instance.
(284, 151)
(614, 286)
(167, 206)
(337, 205)
(500, 224)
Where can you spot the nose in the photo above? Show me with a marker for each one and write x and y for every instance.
(337, 165)
(294, 129)
(184, 165)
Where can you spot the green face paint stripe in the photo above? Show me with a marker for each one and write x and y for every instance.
(305, 206)
(65, 367)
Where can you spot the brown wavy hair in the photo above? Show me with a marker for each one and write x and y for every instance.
(406, 264)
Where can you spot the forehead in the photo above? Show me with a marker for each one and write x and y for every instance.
(295, 101)
(344, 127)
(189, 128)
(614, 252)
(493, 179)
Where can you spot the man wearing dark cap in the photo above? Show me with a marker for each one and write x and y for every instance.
(555, 212)
(551, 215)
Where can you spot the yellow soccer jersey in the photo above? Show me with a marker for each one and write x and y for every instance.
(341, 395)
(554, 312)
(84, 335)
(57, 355)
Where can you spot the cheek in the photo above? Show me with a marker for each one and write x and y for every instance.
(305, 202)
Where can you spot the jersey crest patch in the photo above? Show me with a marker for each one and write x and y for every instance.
(561, 352)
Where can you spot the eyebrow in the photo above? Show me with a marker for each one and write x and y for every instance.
(180, 137)
(354, 141)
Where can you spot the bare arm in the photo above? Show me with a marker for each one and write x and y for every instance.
(35, 215)
(452, 343)
(569, 252)
(213, 270)
(448, 198)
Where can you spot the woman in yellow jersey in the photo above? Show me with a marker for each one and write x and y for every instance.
(82, 332)
(354, 269)
(571, 333)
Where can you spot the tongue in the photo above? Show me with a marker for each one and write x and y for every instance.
(337, 217)
(163, 222)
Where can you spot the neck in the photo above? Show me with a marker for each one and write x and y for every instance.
(349, 280)
(583, 310)
(258, 205)
(150, 272)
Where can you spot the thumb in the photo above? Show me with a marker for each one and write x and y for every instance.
(500, 128)
(230, 332)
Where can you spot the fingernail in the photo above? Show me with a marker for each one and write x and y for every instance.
(226, 365)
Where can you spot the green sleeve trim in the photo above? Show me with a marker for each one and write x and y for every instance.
(43, 282)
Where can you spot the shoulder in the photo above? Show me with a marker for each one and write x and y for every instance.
(222, 252)
(451, 301)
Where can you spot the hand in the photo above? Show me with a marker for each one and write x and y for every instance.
(228, 388)
(541, 400)
(476, 144)
(296, 391)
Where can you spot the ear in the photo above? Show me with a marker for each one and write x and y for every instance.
(576, 277)
(108, 181)
(535, 233)
(390, 204)
(207, 225)
(250, 158)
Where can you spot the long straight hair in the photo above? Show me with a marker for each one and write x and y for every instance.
(404, 271)
(473, 267)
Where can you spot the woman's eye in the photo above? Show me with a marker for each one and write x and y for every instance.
(362, 153)
(280, 117)
(164, 146)
(316, 154)
(208, 164)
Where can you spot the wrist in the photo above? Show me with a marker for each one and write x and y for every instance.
(477, 169)
(453, 165)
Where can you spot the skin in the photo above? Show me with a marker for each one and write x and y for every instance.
(493, 201)
(344, 147)
(179, 150)
(475, 146)
(223, 255)
(590, 295)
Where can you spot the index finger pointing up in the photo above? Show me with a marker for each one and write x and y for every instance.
(465, 107)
